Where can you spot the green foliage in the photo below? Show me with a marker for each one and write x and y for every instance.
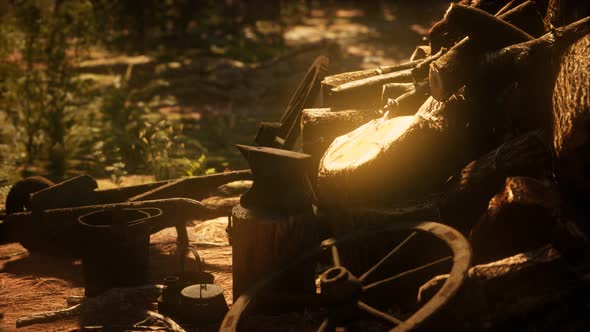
(41, 97)
(133, 133)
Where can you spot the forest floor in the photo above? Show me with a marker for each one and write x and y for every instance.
(223, 100)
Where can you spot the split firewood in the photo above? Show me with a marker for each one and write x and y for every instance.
(486, 32)
(333, 81)
(366, 92)
(470, 191)
(393, 157)
(571, 120)
(513, 287)
(409, 102)
(518, 219)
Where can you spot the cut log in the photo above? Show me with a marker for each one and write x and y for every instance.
(486, 32)
(518, 219)
(393, 157)
(365, 93)
(333, 81)
(320, 126)
(470, 191)
(531, 60)
(571, 122)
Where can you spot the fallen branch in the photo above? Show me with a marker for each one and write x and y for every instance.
(48, 316)
(172, 325)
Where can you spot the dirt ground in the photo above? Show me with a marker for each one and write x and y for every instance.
(35, 283)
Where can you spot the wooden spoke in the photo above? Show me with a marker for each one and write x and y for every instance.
(335, 256)
(408, 272)
(379, 314)
(388, 256)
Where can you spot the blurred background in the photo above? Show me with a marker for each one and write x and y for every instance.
(141, 90)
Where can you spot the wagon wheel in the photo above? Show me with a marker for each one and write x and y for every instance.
(342, 298)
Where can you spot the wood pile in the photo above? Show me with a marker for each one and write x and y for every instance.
(492, 118)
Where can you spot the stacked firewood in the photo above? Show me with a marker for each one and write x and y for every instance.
(490, 121)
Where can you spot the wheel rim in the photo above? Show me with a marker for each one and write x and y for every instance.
(461, 259)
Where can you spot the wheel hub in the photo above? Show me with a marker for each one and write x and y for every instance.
(340, 287)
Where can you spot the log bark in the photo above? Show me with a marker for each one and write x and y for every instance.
(470, 191)
(571, 121)
(518, 219)
(393, 157)
(515, 287)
